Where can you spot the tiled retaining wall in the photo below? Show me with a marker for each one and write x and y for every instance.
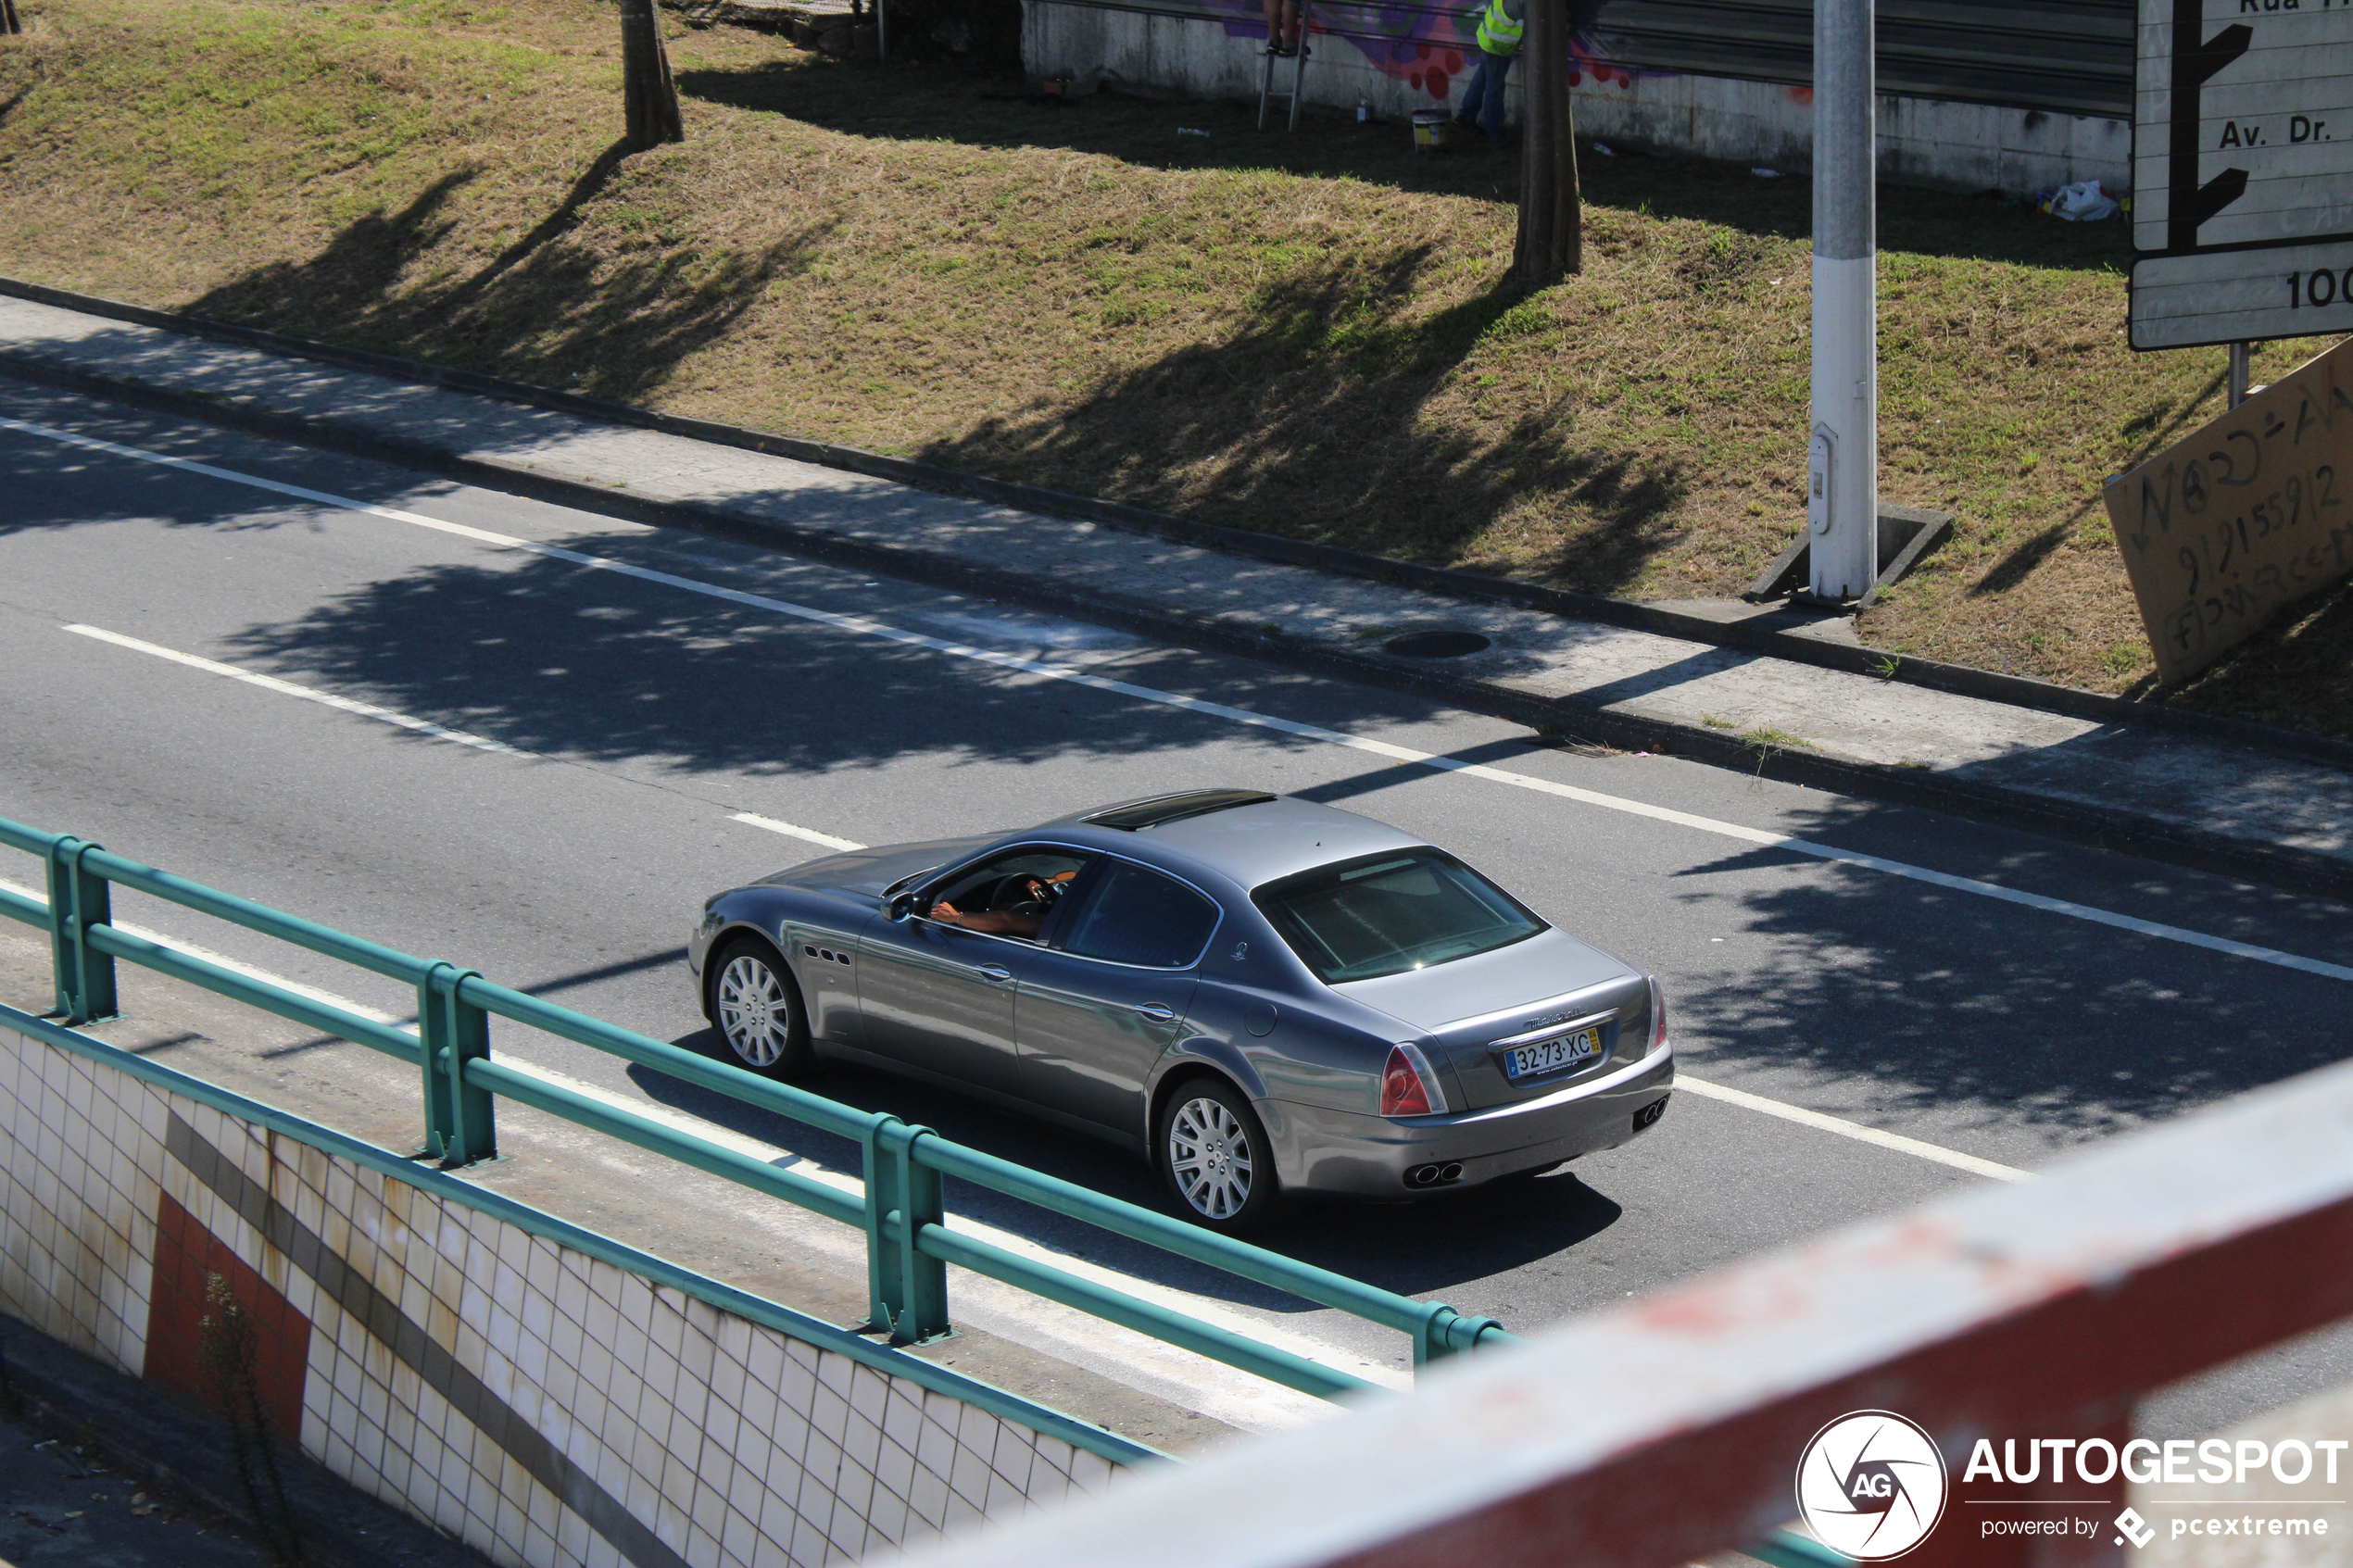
(1922, 141)
(545, 1406)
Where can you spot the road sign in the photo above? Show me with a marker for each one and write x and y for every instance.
(2225, 528)
(2242, 170)
(2243, 295)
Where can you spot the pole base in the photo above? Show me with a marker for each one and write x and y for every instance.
(1906, 533)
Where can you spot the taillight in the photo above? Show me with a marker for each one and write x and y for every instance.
(1658, 1017)
(1407, 1086)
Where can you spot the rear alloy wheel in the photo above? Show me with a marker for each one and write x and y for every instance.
(1213, 1153)
(758, 1008)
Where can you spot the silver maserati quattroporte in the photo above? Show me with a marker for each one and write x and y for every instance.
(1263, 995)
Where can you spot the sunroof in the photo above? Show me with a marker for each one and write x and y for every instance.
(1165, 808)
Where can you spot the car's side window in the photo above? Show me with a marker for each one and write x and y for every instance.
(1010, 894)
(1136, 916)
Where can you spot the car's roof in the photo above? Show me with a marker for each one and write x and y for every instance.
(1253, 842)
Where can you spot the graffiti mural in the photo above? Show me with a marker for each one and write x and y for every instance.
(2067, 56)
(1427, 47)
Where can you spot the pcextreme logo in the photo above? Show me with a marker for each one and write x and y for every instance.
(1872, 1486)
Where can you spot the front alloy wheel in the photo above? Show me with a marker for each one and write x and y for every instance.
(1214, 1156)
(757, 1010)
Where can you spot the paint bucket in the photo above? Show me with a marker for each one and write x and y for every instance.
(1433, 130)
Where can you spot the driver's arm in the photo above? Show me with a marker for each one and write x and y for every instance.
(1007, 921)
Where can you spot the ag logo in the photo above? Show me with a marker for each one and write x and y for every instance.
(1872, 1486)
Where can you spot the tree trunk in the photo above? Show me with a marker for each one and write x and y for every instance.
(1552, 243)
(649, 104)
(8, 22)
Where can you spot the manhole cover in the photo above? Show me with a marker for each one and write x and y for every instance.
(1436, 645)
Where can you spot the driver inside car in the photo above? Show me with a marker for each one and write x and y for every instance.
(1019, 906)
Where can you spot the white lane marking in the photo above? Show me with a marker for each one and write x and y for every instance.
(864, 627)
(370, 710)
(1236, 1395)
(790, 830)
(1855, 1130)
(288, 688)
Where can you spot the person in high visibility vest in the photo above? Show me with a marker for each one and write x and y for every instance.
(1499, 30)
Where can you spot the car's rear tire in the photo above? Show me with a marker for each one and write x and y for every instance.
(755, 1005)
(1212, 1154)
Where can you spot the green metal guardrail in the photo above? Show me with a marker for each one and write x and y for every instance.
(908, 1242)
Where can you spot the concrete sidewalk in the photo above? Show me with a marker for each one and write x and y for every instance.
(1756, 690)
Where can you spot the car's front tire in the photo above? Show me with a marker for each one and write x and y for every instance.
(756, 1007)
(1212, 1154)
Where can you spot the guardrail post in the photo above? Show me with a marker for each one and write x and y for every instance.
(461, 1124)
(78, 901)
(907, 1289)
(1446, 1331)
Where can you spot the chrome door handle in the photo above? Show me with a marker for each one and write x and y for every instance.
(992, 972)
(1156, 1013)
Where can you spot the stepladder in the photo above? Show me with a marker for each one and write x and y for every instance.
(1267, 91)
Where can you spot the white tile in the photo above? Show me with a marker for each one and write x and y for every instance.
(830, 1415)
(1053, 1451)
(1013, 1461)
(1005, 1499)
(738, 1536)
(808, 1544)
(887, 1518)
(862, 1440)
(1090, 1472)
(571, 1537)
(936, 1451)
(976, 1432)
(869, 1390)
(970, 1478)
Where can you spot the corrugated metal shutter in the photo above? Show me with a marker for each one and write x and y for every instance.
(2067, 56)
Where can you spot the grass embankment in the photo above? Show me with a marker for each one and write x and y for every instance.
(1308, 334)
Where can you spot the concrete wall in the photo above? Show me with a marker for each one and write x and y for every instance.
(542, 1405)
(1923, 140)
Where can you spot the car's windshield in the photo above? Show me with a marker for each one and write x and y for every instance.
(1388, 913)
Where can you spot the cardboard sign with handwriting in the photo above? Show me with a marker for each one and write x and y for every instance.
(2223, 530)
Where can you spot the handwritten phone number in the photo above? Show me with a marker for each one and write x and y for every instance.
(2211, 601)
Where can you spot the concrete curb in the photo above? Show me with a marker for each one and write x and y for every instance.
(1959, 678)
(2106, 828)
(176, 1449)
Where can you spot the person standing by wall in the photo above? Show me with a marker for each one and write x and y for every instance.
(1283, 26)
(1499, 30)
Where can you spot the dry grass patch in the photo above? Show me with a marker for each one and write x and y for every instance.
(1311, 335)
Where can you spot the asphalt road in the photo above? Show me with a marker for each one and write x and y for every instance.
(634, 718)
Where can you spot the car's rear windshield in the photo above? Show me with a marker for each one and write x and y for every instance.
(1388, 913)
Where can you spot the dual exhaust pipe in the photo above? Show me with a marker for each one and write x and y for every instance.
(1434, 1175)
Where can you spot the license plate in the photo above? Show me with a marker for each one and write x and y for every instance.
(1551, 1056)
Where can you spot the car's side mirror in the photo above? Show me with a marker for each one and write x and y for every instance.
(900, 906)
